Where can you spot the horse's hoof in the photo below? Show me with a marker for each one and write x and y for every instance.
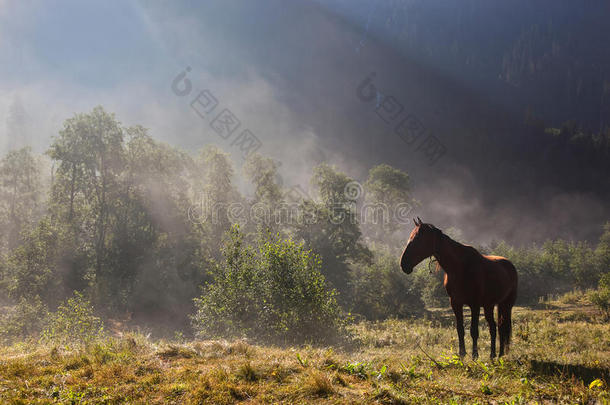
(475, 356)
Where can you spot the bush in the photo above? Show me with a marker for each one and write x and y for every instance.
(272, 292)
(601, 297)
(25, 320)
(554, 268)
(428, 280)
(381, 290)
(73, 322)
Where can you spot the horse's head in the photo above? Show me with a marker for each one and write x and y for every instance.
(422, 243)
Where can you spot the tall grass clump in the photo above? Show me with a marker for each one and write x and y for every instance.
(272, 291)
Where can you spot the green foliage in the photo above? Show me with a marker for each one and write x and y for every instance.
(331, 228)
(21, 193)
(601, 297)
(554, 268)
(33, 264)
(429, 281)
(358, 369)
(603, 248)
(273, 291)
(25, 320)
(604, 282)
(386, 189)
(262, 172)
(74, 322)
(154, 261)
(302, 361)
(89, 155)
(583, 264)
(330, 184)
(117, 225)
(265, 207)
(214, 191)
(380, 290)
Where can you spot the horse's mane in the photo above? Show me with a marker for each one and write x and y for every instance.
(470, 252)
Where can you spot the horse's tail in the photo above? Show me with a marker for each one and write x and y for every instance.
(505, 321)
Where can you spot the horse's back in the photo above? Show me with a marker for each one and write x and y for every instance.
(496, 258)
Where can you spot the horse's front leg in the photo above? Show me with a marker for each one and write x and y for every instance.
(475, 310)
(458, 310)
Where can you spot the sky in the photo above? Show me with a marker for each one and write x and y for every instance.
(58, 58)
(289, 71)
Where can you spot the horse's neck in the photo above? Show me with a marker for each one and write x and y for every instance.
(451, 255)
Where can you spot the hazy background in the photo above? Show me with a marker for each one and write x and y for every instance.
(471, 71)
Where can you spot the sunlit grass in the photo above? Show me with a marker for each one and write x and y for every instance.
(558, 355)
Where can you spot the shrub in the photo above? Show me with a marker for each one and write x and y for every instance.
(601, 297)
(551, 269)
(24, 320)
(272, 292)
(381, 290)
(428, 280)
(73, 322)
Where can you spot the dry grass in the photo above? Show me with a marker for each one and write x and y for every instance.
(557, 355)
(318, 384)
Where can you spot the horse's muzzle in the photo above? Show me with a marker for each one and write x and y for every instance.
(407, 268)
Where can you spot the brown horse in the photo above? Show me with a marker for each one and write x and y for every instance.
(471, 279)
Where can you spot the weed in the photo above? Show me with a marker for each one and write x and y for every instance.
(358, 369)
(302, 361)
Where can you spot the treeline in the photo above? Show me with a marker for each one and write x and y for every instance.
(156, 237)
(139, 226)
(571, 157)
(557, 266)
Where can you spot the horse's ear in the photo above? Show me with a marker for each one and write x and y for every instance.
(415, 222)
(420, 221)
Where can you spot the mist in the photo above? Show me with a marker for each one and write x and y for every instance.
(271, 201)
(298, 93)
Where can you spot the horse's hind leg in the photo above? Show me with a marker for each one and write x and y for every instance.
(504, 325)
(474, 329)
(489, 317)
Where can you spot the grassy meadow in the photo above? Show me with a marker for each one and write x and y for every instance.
(133, 271)
(560, 354)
